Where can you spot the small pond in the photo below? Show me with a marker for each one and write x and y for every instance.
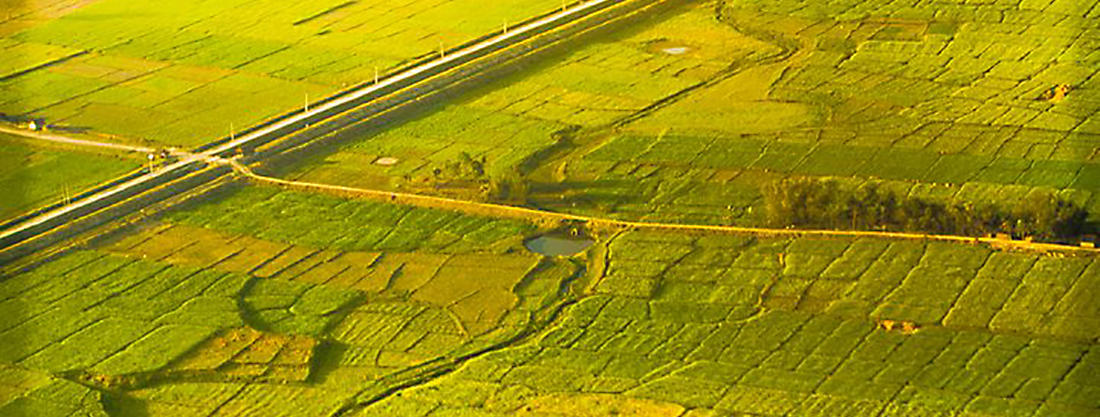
(558, 244)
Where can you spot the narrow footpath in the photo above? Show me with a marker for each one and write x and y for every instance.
(502, 210)
(49, 137)
(524, 213)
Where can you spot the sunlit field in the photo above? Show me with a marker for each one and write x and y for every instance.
(301, 299)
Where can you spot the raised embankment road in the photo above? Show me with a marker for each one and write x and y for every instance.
(404, 86)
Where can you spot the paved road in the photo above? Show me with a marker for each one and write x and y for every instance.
(415, 73)
(221, 154)
(292, 123)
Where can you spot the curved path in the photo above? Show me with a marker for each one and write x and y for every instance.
(501, 210)
(191, 170)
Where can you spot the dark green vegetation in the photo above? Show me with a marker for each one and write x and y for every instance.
(829, 203)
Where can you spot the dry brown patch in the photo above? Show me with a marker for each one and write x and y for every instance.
(20, 15)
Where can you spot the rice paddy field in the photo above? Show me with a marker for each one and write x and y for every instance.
(682, 117)
(33, 176)
(272, 302)
(182, 73)
(265, 301)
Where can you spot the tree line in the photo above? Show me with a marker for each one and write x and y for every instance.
(830, 203)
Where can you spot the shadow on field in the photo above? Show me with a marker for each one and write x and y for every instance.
(586, 193)
(70, 129)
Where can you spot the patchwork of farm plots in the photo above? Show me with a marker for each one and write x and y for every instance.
(706, 104)
(953, 97)
(715, 179)
(246, 316)
(33, 176)
(509, 120)
(179, 73)
(275, 302)
(724, 326)
(263, 301)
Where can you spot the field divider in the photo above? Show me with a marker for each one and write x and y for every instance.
(53, 225)
(530, 214)
(74, 141)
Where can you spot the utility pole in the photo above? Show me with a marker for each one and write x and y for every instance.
(307, 102)
(441, 52)
(376, 74)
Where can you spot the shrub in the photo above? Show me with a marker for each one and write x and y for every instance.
(831, 203)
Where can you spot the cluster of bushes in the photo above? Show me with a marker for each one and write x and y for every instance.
(835, 204)
(507, 186)
(464, 168)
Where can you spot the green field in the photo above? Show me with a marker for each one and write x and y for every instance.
(182, 74)
(258, 300)
(509, 120)
(32, 176)
(722, 326)
(194, 301)
(683, 117)
(196, 315)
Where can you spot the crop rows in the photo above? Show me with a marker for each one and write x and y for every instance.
(110, 315)
(25, 56)
(32, 177)
(427, 295)
(151, 100)
(511, 119)
(328, 222)
(641, 164)
(900, 96)
(246, 354)
(261, 301)
(737, 325)
(181, 74)
(27, 392)
(702, 158)
(191, 320)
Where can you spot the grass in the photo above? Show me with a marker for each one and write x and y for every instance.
(273, 302)
(510, 120)
(31, 392)
(34, 176)
(849, 107)
(289, 217)
(181, 74)
(783, 359)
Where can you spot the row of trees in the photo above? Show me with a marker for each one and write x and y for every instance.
(830, 203)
